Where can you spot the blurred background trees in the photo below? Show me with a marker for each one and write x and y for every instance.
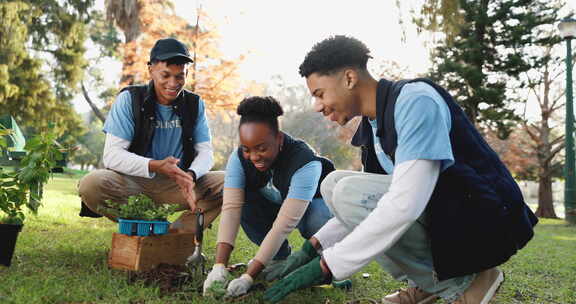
(41, 63)
(501, 60)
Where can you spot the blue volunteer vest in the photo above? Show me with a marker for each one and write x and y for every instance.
(295, 154)
(477, 217)
(143, 108)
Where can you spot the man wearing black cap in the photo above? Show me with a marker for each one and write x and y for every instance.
(158, 143)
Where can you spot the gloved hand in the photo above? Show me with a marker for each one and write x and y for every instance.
(281, 269)
(306, 276)
(239, 286)
(218, 273)
(273, 266)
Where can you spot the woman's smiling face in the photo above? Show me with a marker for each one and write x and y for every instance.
(260, 144)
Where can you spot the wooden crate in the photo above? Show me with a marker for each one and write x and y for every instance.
(140, 253)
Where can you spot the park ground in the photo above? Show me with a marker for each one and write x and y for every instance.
(62, 258)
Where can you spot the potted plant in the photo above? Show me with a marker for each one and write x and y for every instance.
(141, 216)
(21, 186)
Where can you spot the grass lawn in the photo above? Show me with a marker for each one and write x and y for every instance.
(61, 258)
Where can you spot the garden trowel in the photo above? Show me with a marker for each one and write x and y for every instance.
(198, 260)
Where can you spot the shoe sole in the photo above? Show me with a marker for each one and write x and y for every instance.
(432, 298)
(493, 289)
(425, 301)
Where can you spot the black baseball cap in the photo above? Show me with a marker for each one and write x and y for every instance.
(169, 48)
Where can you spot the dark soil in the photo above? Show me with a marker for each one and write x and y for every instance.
(169, 278)
(181, 280)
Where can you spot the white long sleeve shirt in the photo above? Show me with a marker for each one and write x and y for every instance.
(331, 233)
(412, 185)
(117, 157)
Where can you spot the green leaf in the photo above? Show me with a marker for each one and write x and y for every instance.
(140, 207)
(23, 188)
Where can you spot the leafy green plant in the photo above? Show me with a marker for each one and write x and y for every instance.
(140, 207)
(217, 290)
(21, 188)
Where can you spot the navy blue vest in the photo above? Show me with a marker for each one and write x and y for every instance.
(143, 109)
(477, 218)
(295, 154)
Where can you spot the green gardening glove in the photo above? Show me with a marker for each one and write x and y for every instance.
(281, 269)
(306, 276)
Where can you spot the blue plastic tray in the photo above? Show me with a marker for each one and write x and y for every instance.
(142, 228)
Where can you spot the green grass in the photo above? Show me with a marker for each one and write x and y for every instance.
(61, 258)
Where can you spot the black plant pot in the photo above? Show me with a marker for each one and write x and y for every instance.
(8, 236)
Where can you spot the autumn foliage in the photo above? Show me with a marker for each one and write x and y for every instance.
(212, 76)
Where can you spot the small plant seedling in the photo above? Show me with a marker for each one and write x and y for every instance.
(140, 207)
(217, 290)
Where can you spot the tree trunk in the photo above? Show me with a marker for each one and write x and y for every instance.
(92, 105)
(545, 202)
(126, 15)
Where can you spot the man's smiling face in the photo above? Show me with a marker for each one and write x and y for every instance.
(169, 80)
(332, 96)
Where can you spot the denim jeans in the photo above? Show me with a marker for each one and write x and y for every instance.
(352, 196)
(258, 215)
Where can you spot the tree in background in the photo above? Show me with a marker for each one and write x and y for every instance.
(390, 70)
(104, 36)
(98, 92)
(483, 51)
(90, 144)
(495, 53)
(545, 85)
(224, 126)
(516, 152)
(212, 76)
(125, 14)
(322, 135)
(41, 62)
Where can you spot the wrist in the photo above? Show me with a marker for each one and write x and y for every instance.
(316, 244)
(247, 277)
(193, 174)
(153, 165)
(223, 251)
(219, 266)
(254, 268)
(325, 270)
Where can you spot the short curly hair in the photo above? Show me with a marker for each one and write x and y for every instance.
(263, 109)
(334, 53)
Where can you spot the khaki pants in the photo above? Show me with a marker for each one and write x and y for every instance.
(101, 185)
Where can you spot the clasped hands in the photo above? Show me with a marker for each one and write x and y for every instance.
(185, 181)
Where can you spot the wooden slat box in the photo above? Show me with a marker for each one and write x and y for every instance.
(140, 253)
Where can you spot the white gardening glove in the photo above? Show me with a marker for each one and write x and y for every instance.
(239, 286)
(218, 273)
